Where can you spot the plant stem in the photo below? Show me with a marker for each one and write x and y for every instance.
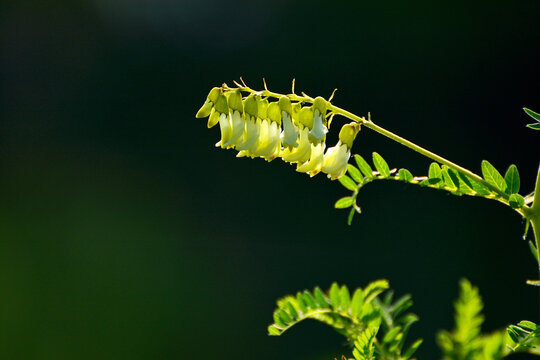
(419, 149)
(533, 214)
(502, 196)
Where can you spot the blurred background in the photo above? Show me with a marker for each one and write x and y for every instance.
(125, 234)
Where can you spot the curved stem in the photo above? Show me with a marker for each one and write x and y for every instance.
(502, 196)
(417, 148)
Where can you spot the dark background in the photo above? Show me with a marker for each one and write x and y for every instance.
(125, 234)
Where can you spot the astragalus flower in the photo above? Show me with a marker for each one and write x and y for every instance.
(290, 131)
(255, 109)
(253, 126)
(237, 121)
(269, 138)
(337, 157)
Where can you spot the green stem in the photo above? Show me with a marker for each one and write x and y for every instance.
(503, 197)
(417, 148)
(533, 214)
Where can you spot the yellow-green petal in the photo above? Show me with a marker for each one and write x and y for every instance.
(213, 119)
(205, 110)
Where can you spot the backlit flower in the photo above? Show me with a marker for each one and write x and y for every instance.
(237, 121)
(250, 138)
(302, 151)
(319, 120)
(208, 107)
(269, 145)
(337, 157)
(290, 131)
(315, 163)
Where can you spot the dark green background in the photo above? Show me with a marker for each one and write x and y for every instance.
(126, 235)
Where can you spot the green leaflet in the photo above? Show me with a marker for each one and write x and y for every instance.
(344, 202)
(532, 114)
(374, 289)
(405, 175)
(492, 176)
(355, 173)
(535, 116)
(434, 173)
(381, 165)
(512, 180)
(465, 184)
(412, 349)
(448, 181)
(347, 182)
(364, 166)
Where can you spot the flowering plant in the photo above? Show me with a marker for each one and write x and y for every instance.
(293, 127)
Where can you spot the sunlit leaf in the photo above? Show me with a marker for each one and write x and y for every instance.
(434, 173)
(355, 173)
(492, 176)
(364, 166)
(532, 114)
(344, 202)
(381, 165)
(405, 175)
(347, 182)
(512, 180)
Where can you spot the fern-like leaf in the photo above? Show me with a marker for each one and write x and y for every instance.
(364, 346)
(348, 316)
(524, 337)
(467, 342)
(439, 177)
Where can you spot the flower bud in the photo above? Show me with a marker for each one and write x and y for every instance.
(208, 105)
(348, 133)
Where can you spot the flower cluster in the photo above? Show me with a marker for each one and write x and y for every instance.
(256, 127)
